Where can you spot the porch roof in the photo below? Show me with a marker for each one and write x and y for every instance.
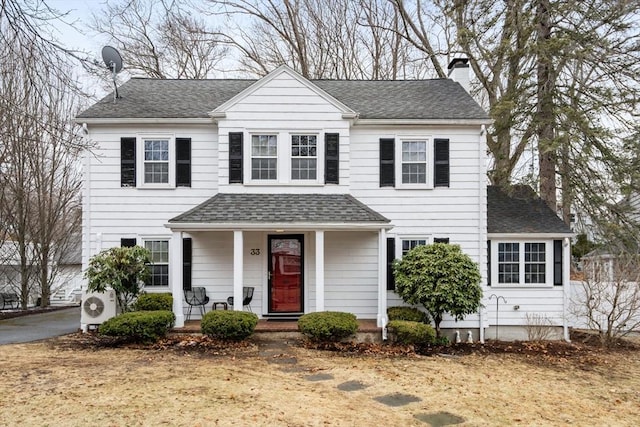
(229, 211)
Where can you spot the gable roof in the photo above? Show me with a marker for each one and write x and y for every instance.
(521, 211)
(143, 98)
(226, 208)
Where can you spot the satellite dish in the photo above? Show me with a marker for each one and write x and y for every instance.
(113, 61)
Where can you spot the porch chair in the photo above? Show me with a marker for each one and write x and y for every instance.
(196, 297)
(247, 296)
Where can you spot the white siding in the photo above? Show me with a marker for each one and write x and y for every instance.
(351, 273)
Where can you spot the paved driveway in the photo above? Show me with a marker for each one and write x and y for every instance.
(39, 326)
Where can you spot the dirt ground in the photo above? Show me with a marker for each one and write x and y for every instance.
(192, 381)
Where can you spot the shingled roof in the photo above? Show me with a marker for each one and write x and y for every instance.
(521, 211)
(280, 208)
(371, 99)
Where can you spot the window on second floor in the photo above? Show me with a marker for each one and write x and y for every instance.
(156, 161)
(414, 162)
(264, 157)
(304, 157)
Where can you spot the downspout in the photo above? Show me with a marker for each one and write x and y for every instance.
(86, 204)
(566, 281)
(482, 219)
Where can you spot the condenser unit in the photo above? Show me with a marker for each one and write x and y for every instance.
(97, 307)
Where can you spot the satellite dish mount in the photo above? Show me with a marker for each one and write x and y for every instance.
(113, 61)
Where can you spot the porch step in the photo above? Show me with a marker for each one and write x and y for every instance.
(293, 317)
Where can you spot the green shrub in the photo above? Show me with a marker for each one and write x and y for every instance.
(154, 302)
(329, 326)
(228, 324)
(407, 313)
(139, 326)
(408, 332)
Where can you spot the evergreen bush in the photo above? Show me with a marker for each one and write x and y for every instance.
(139, 326)
(153, 302)
(409, 332)
(328, 326)
(228, 325)
(407, 313)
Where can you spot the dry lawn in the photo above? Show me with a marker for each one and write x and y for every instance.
(56, 384)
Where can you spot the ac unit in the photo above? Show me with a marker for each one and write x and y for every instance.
(97, 307)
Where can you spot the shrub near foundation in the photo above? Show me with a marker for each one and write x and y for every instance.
(228, 325)
(153, 302)
(328, 326)
(139, 326)
(407, 313)
(408, 332)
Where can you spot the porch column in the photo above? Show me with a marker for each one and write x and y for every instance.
(238, 263)
(175, 252)
(319, 270)
(382, 279)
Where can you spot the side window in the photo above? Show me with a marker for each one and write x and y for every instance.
(159, 262)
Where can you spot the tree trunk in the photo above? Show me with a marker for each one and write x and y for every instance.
(545, 113)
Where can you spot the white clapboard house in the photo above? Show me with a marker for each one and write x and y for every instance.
(306, 190)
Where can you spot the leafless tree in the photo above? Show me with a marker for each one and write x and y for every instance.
(608, 298)
(39, 177)
(159, 39)
(338, 39)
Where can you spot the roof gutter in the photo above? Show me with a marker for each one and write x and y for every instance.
(446, 122)
(137, 121)
(276, 226)
(525, 235)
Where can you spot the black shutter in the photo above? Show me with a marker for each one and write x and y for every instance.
(391, 256)
(557, 262)
(127, 162)
(183, 162)
(440, 240)
(235, 157)
(331, 158)
(128, 243)
(488, 262)
(186, 263)
(441, 163)
(387, 167)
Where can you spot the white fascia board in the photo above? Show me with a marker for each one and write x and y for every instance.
(448, 122)
(287, 226)
(272, 75)
(138, 121)
(528, 236)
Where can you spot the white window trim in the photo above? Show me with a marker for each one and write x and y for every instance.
(143, 241)
(429, 161)
(428, 238)
(284, 158)
(548, 250)
(140, 161)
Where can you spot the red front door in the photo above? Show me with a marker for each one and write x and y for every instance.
(286, 266)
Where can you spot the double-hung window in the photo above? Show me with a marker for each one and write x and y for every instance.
(414, 162)
(525, 263)
(408, 244)
(159, 250)
(156, 161)
(304, 157)
(264, 157)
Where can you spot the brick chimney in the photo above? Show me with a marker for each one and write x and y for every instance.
(459, 72)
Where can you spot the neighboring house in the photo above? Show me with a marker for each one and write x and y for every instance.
(304, 189)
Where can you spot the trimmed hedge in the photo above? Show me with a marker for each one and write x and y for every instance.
(411, 314)
(228, 324)
(154, 302)
(328, 326)
(408, 332)
(139, 326)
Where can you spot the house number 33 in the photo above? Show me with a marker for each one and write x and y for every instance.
(255, 252)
